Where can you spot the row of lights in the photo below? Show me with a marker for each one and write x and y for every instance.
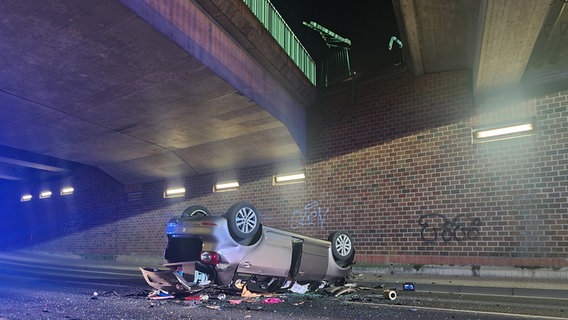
(180, 192)
(234, 185)
(46, 194)
(479, 135)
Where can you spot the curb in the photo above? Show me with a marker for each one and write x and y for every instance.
(494, 291)
(486, 280)
(533, 273)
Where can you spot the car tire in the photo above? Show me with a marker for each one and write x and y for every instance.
(195, 211)
(243, 221)
(342, 248)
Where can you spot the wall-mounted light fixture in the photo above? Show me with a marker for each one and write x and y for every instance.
(67, 191)
(501, 132)
(288, 179)
(26, 197)
(174, 193)
(45, 194)
(226, 186)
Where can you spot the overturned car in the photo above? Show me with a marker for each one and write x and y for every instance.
(235, 250)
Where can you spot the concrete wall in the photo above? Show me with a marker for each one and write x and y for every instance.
(390, 160)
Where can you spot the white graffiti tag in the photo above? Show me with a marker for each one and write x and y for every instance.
(311, 215)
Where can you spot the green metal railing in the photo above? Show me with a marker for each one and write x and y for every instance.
(275, 24)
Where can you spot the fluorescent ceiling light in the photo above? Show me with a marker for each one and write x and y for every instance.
(504, 131)
(174, 192)
(26, 197)
(45, 194)
(226, 186)
(67, 191)
(290, 178)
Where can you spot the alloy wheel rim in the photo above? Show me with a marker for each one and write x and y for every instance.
(343, 245)
(246, 220)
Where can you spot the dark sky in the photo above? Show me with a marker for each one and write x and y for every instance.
(368, 24)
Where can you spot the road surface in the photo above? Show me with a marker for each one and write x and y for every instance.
(85, 290)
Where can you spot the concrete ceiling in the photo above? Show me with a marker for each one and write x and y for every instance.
(512, 47)
(90, 82)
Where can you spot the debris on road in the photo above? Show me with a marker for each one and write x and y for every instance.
(159, 295)
(408, 286)
(344, 290)
(271, 301)
(213, 307)
(248, 294)
(212, 292)
(96, 295)
(390, 294)
(192, 298)
(173, 286)
(298, 288)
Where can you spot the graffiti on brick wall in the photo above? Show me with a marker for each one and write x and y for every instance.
(437, 227)
(312, 215)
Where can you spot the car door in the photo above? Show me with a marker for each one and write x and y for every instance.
(272, 256)
(314, 260)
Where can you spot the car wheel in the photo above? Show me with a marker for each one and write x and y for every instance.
(342, 248)
(194, 212)
(243, 221)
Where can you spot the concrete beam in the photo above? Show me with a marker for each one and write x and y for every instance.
(408, 27)
(29, 164)
(194, 30)
(508, 30)
(248, 31)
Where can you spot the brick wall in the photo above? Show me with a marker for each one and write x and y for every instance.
(104, 218)
(394, 161)
(93, 204)
(391, 160)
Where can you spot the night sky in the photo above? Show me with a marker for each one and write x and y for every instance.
(368, 24)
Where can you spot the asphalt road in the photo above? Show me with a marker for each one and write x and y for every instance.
(49, 290)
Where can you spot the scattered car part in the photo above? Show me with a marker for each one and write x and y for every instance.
(390, 294)
(345, 290)
(408, 286)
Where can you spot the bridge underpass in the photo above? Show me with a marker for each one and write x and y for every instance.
(154, 90)
(145, 90)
